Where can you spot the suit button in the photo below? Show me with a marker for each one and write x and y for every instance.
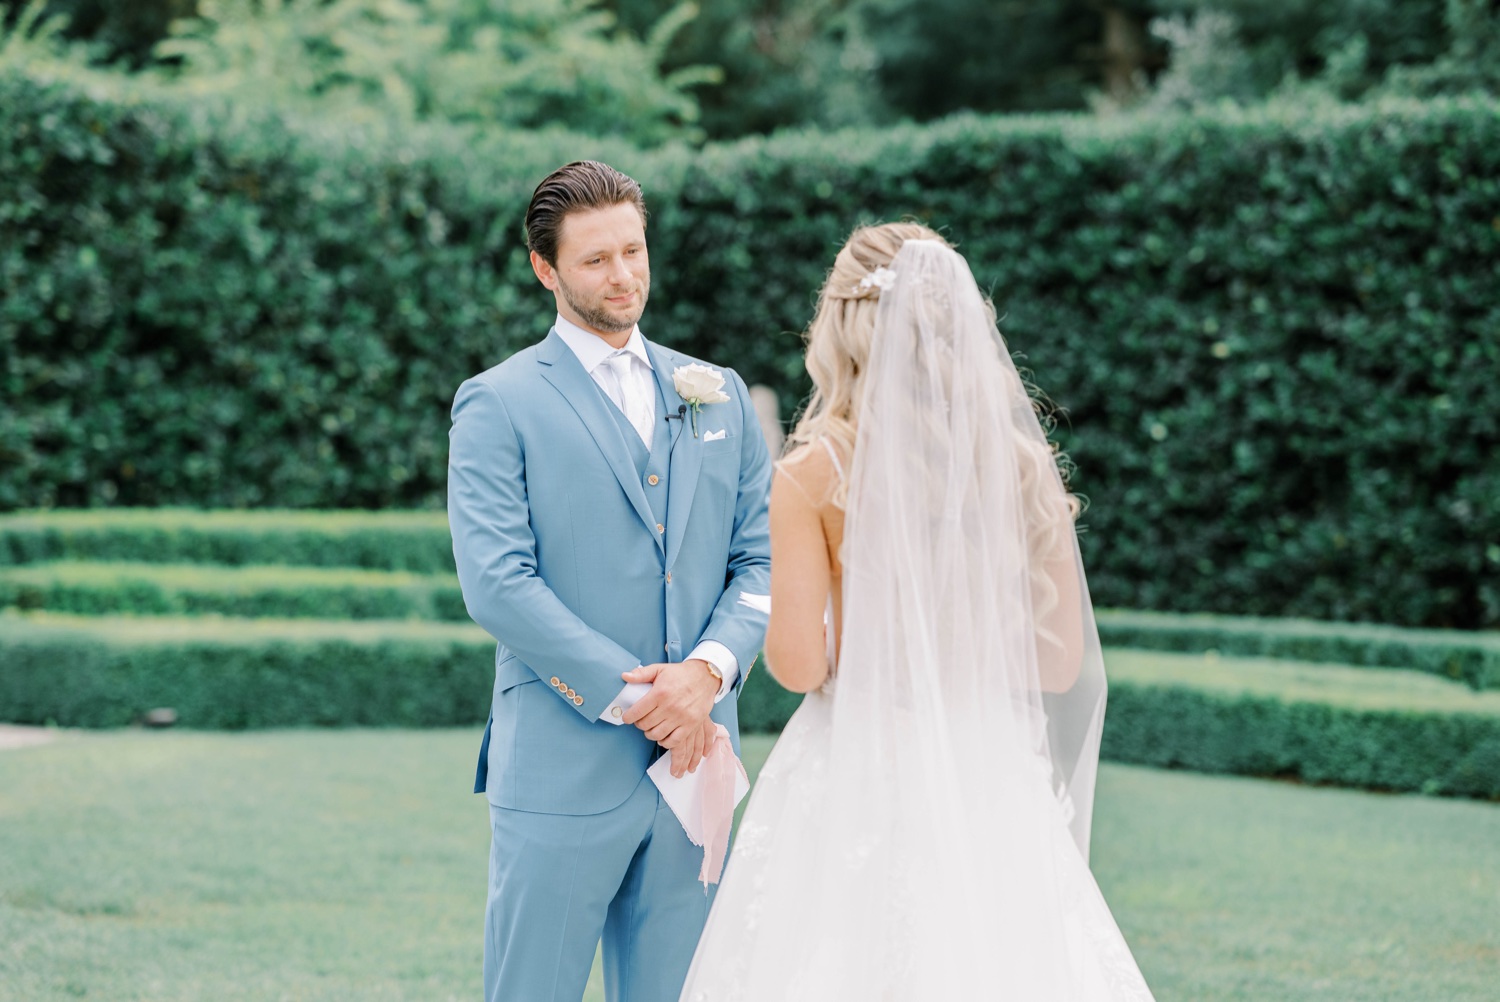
(660, 527)
(667, 648)
(653, 480)
(555, 682)
(669, 577)
(571, 693)
(577, 700)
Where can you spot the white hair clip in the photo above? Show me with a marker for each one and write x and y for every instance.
(881, 278)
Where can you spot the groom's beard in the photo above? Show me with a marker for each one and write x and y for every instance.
(596, 314)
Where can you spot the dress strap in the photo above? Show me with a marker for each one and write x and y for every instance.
(833, 455)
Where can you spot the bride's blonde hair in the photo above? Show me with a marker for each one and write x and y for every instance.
(838, 339)
(838, 352)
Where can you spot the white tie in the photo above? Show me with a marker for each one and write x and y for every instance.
(633, 401)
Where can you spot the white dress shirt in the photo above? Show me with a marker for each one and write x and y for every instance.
(592, 351)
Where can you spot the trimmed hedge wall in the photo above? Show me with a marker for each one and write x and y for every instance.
(1253, 735)
(340, 593)
(1469, 657)
(1274, 331)
(103, 673)
(232, 674)
(264, 591)
(1320, 723)
(392, 540)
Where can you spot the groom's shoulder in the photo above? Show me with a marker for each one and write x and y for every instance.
(511, 374)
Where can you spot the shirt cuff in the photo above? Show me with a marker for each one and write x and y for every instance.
(712, 650)
(628, 697)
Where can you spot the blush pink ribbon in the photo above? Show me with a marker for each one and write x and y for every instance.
(718, 771)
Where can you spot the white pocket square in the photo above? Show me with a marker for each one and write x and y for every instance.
(714, 436)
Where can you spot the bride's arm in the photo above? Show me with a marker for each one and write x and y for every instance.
(796, 645)
(1060, 638)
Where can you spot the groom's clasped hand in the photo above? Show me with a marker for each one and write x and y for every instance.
(675, 712)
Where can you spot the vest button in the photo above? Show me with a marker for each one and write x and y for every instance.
(653, 480)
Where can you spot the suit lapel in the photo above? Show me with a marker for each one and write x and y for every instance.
(561, 368)
(687, 454)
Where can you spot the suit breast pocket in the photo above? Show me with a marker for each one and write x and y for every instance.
(721, 449)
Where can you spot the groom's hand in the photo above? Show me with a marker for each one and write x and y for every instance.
(687, 756)
(674, 711)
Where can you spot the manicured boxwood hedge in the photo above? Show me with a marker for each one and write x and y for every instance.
(258, 591)
(79, 671)
(1164, 709)
(1467, 656)
(416, 541)
(1320, 723)
(1274, 331)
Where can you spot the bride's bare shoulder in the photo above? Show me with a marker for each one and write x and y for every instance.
(811, 468)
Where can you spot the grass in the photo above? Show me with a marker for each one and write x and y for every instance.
(323, 865)
(1299, 681)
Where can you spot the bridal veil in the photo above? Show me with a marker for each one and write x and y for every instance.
(946, 776)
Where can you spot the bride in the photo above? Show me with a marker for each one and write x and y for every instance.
(921, 829)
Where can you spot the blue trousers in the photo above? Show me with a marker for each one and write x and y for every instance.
(560, 883)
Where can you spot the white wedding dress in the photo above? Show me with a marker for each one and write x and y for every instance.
(920, 830)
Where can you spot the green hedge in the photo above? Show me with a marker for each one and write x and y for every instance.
(399, 541)
(239, 673)
(1469, 657)
(1318, 723)
(1273, 331)
(341, 593)
(259, 591)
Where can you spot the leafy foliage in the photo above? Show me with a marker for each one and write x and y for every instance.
(1472, 62)
(783, 64)
(1245, 50)
(523, 63)
(1272, 331)
(118, 31)
(942, 56)
(533, 64)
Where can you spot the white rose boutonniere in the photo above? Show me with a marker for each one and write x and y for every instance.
(699, 385)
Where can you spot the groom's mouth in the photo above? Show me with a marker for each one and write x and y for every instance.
(624, 300)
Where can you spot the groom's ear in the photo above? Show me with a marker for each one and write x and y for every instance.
(545, 273)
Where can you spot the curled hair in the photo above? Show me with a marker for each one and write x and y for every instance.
(838, 351)
(576, 187)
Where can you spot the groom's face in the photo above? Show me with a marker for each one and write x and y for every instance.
(602, 276)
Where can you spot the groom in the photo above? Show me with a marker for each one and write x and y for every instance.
(606, 529)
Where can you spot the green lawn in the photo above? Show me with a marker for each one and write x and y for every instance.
(334, 865)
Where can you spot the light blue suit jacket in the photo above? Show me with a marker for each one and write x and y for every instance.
(561, 559)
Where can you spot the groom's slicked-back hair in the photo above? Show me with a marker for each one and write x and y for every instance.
(577, 187)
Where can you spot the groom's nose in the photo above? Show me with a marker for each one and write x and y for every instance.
(619, 274)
